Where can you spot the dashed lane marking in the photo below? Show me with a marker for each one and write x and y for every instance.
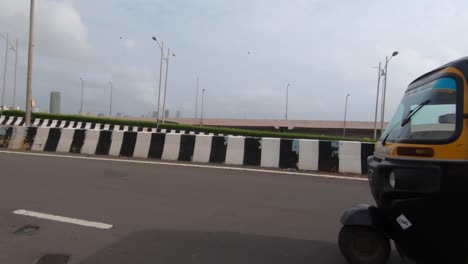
(63, 219)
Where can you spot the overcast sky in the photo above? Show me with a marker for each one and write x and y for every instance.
(245, 52)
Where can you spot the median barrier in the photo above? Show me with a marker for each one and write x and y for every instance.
(235, 150)
(156, 147)
(270, 151)
(171, 147)
(19, 121)
(218, 150)
(53, 139)
(66, 140)
(252, 151)
(40, 139)
(142, 145)
(289, 154)
(51, 123)
(116, 143)
(78, 141)
(202, 149)
(104, 143)
(348, 160)
(90, 142)
(17, 138)
(308, 154)
(311, 155)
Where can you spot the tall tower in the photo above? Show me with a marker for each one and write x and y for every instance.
(54, 103)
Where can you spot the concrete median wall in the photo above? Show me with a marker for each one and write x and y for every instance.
(17, 138)
(270, 150)
(40, 139)
(47, 123)
(310, 155)
(66, 140)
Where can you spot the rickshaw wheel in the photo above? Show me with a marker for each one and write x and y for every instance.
(363, 245)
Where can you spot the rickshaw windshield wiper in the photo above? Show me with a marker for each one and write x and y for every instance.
(407, 119)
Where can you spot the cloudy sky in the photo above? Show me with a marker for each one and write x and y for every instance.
(244, 52)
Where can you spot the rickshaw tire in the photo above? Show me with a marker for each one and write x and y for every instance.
(379, 243)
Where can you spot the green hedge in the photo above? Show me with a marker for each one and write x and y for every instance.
(208, 129)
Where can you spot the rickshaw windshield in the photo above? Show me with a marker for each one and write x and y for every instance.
(426, 113)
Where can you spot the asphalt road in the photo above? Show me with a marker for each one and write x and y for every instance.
(170, 214)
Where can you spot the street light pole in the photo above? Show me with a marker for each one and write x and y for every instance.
(110, 104)
(345, 113)
(379, 75)
(196, 102)
(161, 47)
(16, 69)
(287, 95)
(202, 106)
(15, 49)
(165, 84)
(384, 90)
(5, 71)
(30, 62)
(82, 93)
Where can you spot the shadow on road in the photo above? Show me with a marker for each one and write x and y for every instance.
(166, 246)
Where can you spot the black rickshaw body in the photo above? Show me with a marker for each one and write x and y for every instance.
(418, 174)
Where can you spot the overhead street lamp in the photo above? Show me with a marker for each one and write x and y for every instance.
(169, 54)
(379, 75)
(384, 91)
(161, 47)
(196, 102)
(345, 113)
(110, 99)
(30, 62)
(82, 93)
(202, 106)
(287, 99)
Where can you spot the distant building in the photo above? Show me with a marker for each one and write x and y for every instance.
(166, 113)
(54, 103)
(34, 107)
(118, 115)
(178, 114)
(155, 114)
(100, 115)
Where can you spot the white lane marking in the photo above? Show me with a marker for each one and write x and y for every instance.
(63, 219)
(190, 165)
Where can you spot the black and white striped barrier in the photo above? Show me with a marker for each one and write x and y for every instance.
(39, 122)
(314, 155)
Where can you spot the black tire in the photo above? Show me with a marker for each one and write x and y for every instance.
(363, 245)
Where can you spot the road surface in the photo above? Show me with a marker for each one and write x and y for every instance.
(160, 213)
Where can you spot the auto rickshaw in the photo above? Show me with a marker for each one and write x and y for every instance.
(418, 177)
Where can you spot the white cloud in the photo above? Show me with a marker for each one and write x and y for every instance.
(59, 29)
(66, 32)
